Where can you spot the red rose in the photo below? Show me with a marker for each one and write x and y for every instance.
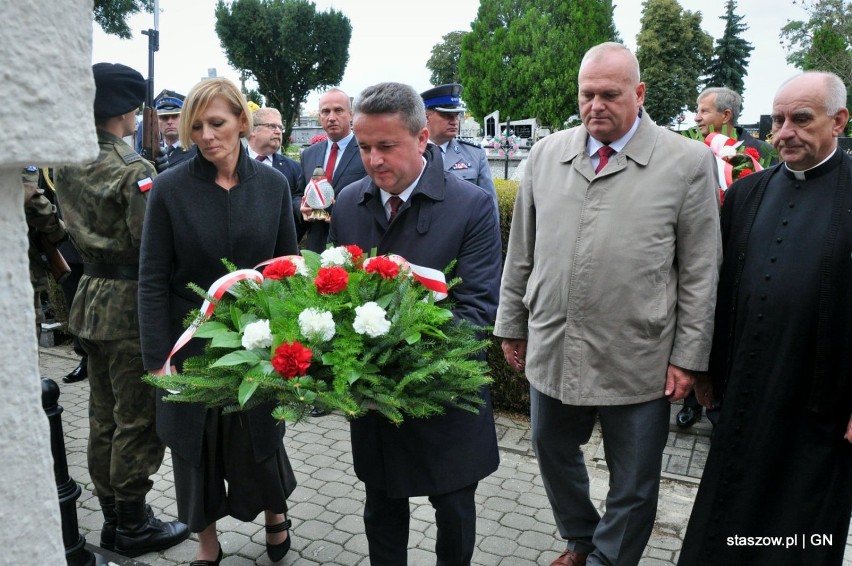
(331, 280)
(356, 253)
(279, 269)
(752, 152)
(292, 359)
(383, 266)
(744, 172)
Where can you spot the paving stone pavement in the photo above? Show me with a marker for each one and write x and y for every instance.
(515, 526)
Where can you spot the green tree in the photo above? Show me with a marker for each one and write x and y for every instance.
(287, 46)
(731, 54)
(444, 62)
(673, 51)
(522, 57)
(822, 42)
(112, 15)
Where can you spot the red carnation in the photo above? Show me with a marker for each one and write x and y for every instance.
(752, 152)
(279, 269)
(292, 359)
(331, 280)
(744, 172)
(388, 269)
(356, 253)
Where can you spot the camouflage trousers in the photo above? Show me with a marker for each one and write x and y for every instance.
(124, 450)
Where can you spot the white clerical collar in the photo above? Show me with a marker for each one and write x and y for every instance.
(803, 175)
(593, 145)
(406, 194)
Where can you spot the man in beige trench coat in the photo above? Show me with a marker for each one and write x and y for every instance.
(607, 301)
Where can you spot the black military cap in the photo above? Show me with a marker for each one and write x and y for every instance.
(168, 102)
(444, 98)
(118, 89)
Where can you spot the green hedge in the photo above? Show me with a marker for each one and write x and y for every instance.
(510, 389)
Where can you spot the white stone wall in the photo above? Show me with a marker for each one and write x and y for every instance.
(46, 119)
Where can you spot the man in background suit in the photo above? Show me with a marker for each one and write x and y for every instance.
(335, 113)
(264, 143)
(465, 160)
(410, 207)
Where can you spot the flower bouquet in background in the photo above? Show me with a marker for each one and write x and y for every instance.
(336, 330)
(504, 145)
(733, 158)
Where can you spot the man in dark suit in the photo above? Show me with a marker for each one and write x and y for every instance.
(409, 206)
(264, 141)
(335, 114)
(168, 105)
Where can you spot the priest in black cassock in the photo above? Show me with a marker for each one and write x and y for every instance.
(780, 461)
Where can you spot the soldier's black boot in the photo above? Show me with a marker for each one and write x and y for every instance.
(138, 532)
(110, 522)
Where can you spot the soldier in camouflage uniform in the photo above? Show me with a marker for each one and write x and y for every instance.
(43, 225)
(103, 205)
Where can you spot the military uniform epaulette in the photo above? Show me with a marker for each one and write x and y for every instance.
(128, 154)
(471, 144)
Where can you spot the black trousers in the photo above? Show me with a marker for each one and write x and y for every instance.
(386, 521)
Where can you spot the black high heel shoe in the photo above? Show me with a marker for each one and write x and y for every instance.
(210, 562)
(278, 551)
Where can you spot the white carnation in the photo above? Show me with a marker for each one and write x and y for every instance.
(257, 335)
(727, 152)
(370, 320)
(315, 323)
(335, 256)
(299, 262)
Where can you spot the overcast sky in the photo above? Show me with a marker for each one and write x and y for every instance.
(386, 46)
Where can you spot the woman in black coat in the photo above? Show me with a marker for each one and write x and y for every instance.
(220, 204)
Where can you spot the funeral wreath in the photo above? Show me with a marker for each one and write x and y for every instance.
(338, 330)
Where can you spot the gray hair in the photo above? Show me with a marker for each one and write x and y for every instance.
(393, 98)
(835, 90)
(263, 114)
(726, 99)
(602, 48)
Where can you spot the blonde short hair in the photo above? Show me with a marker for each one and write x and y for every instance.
(200, 97)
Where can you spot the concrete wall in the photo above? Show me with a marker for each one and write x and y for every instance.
(45, 119)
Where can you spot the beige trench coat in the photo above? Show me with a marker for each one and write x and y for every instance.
(612, 277)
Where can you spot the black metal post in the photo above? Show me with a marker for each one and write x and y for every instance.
(76, 553)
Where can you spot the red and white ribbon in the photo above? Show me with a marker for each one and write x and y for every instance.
(217, 291)
(717, 142)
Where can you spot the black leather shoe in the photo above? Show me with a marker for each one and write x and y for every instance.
(209, 562)
(276, 552)
(317, 412)
(79, 373)
(139, 532)
(688, 416)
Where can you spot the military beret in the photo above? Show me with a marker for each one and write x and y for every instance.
(444, 98)
(118, 89)
(168, 102)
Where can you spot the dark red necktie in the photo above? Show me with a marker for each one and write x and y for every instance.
(605, 152)
(394, 202)
(260, 157)
(332, 159)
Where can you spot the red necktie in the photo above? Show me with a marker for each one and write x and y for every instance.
(260, 157)
(332, 159)
(394, 202)
(605, 152)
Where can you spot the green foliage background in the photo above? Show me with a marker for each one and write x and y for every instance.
(673, 53)
(284, 45)
(522, 58)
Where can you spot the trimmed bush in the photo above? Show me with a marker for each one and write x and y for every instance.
(510, 390)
